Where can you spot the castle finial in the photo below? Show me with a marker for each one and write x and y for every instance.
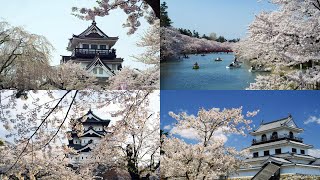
(290, 116)
(261, 122)
(94, 22)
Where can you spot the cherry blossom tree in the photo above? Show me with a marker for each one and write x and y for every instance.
(133, 144)
(25, 63)
(149, 78)
(286, 38)
(24, 57)
(208, 158)
(69, 76)
(135, 9)
(36, 122)
(135, 79)
(38, 164)
(175, 44)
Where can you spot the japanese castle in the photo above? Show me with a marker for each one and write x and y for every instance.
(93, 50)
(93, 131)
(277, 152)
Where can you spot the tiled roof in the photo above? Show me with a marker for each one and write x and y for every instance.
(274, 124)
(316, 162)
(96, 61)
(278, 160)
(93, 119)
(94, 33)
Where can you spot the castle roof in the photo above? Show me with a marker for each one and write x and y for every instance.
(91, 118)
(286, 122)
(278, 160)
(81, 148)
(94, 32)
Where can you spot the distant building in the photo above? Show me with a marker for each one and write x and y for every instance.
(93, 49)
(277, 151)
(93, 130)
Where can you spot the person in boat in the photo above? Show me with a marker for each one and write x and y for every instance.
(196, 64)
(235, 60)
(231, 65)
(253, 68)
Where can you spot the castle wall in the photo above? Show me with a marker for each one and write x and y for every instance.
(285, 172)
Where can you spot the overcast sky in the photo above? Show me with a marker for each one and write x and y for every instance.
(103, 112)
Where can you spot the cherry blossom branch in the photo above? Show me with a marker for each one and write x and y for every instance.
(317, 5)
(28, 141)
(63, 119)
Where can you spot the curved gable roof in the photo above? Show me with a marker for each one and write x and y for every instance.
(94, 31)
(284, 122)
(90, 117)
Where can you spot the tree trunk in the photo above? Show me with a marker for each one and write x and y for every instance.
(155, 5)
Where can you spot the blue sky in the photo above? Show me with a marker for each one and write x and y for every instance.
(229, 18)
(273, 105)
(53, 20)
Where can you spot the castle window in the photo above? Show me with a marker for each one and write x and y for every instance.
(94, 46)
(302, 151)
(278, 151)
(290, 134)
(266, 153)
(94, 70)
(294, 150)
(103, 47)
(114, 67)
(100, 71)
(256, 154)
(263, 137)
(274, 135)
(86, 46)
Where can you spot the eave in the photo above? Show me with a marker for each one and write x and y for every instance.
(297, 130)
(278, 143)
(76, 40)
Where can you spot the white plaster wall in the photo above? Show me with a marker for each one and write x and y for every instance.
(85, 140)
(96, 127)
(81, 45)
(104, 73)
(284, 149)
(300, 170)
(280, 133)
(76, 140)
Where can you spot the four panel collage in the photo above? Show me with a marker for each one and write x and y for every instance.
(160, 90)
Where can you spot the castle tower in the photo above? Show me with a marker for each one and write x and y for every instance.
(93, 49)
(93, 130)
(276, 151)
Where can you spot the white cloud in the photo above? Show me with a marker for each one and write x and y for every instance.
(192, 134)
(167, 127)
(314, 152)
(312, 119)
(219, 135)
(216, 109)
(186, 133)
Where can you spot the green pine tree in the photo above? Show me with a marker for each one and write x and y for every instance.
(165, 21)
